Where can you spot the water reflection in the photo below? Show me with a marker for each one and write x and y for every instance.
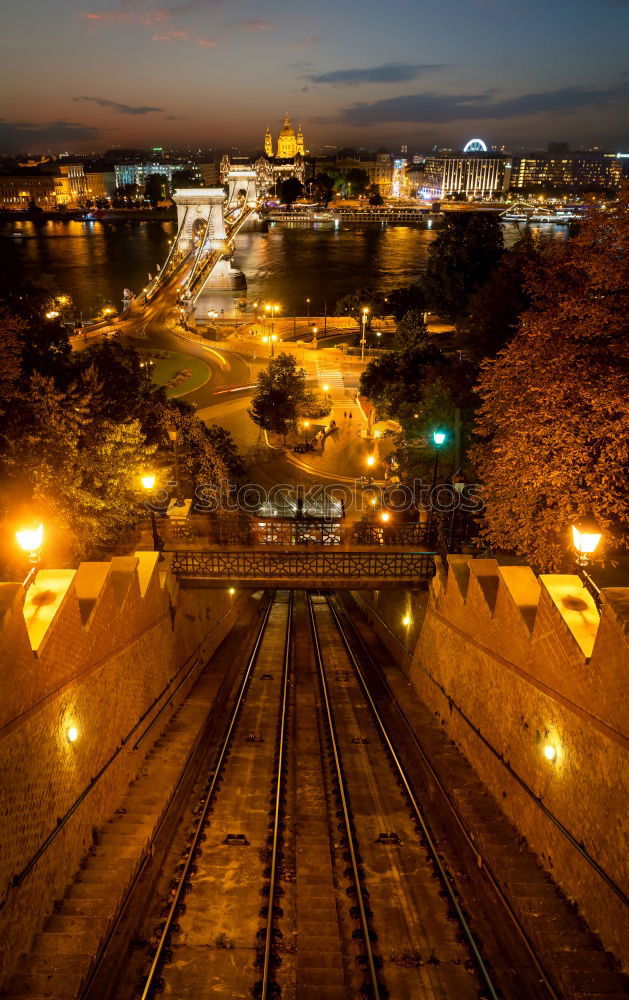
(94, 261)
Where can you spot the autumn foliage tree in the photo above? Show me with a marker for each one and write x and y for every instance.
(76, 432)
(553, 425)
(281, 395)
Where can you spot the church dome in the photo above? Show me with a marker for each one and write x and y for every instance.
(287, 130)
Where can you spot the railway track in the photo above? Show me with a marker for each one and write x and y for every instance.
(311, 871)
(417, 941)
(214, 911)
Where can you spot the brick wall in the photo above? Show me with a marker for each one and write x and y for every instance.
(93, 649)
(530, 664)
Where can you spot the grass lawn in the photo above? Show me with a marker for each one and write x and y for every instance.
(168, 367)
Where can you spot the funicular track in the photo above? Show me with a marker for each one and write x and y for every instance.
(415, 935)
(221, 875)
(313, 868)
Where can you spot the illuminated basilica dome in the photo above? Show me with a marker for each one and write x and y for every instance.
(289, 144)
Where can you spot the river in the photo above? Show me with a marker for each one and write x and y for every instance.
(94, 261)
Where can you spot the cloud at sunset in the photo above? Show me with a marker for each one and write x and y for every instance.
(122, 109)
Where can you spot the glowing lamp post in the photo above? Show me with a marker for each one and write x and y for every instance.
(148, 483)
(173, 434)
(272, 308)
(363, 339)
(438, 438)
(30, 541)
(586, 535)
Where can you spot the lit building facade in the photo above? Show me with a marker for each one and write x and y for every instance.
(473, 175)
(566, 172)
(100, 185)
(137, 173)
(47, 184)
(70, 185)
(18, 193)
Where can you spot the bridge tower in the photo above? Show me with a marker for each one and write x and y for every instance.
(200, 211)
(202, 230)
(241, 180)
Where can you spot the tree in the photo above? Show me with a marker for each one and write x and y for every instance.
(76, 470)
(401, 300)
(553, 425)
(354, 304)
(13, 331)
(460, 260)
(156, 188)
(375, 197)
(494, 308)
(290, 190)
(411, 331)
(225, 446)
(280, 395)
(357, 181)
(128, 391)
(322, 188)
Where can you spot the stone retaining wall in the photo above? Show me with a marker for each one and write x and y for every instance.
(511, 665)
(98, 649)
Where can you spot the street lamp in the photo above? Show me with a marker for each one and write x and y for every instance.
(370, 460)
(314, 336)
(173, 434)
(586, 535)
(385, 517)
(148, 482)
(438, 437)
(30, 541)
(52, 314)
(272, 308)
(363, 338)
(308, 305)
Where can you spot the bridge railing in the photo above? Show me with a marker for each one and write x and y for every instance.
(261, 531)
(324, 567)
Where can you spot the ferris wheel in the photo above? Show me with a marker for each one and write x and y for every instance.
(475, 146)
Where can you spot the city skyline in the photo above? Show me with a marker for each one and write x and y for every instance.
(217, 73)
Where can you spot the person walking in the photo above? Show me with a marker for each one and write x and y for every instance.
(350, 414)
(345, 414)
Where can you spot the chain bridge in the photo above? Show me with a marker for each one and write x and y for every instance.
(200, 256)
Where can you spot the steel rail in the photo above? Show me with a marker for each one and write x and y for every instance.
(279, 788)
(483, 865)
(209, 795)
(432, 847)
(375, 985)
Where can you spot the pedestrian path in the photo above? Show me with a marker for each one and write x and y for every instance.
(331, 376)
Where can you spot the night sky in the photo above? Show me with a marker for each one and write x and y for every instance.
(86, 75)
